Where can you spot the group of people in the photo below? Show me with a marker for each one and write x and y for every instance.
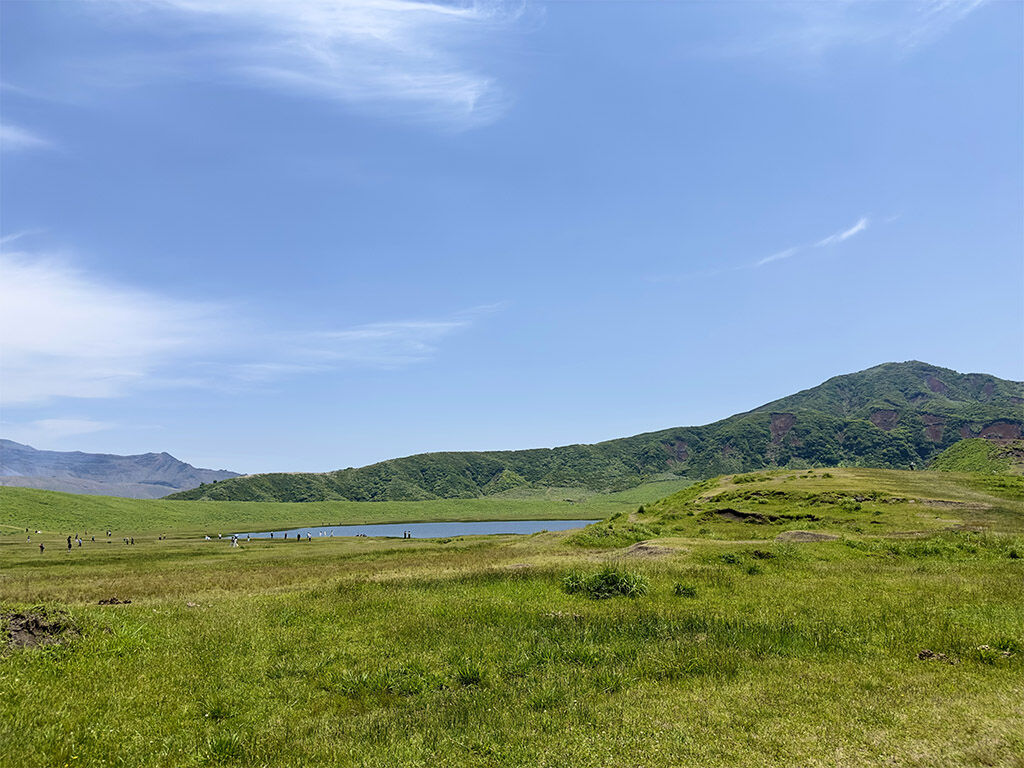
(235, 538)
(77, 540)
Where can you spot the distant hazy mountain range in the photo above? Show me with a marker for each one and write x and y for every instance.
(146, 476)
(895, 415)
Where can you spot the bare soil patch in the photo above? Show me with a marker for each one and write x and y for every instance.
(646, 549)
(805, 536)
(35, 627)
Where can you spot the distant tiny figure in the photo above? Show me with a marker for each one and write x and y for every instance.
(41, 547)
(69, 543)
(271, 535)
(79, 540)
(308, 537)
(207, 537)
(94, 538)
(28, 538)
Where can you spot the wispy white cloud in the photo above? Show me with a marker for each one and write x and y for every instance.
(846, 234)
(42, 432)
(813, 29)
(406, 56)
(825, 242)
(15, 139)
(69, 335)
(785, 254)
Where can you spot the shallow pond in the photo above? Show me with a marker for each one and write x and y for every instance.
(424, 530)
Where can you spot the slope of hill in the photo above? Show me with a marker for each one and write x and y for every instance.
(145, 476)
(896, 415)
(888, 506)
(1002, 457)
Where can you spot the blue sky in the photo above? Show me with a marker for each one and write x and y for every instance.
(303, 236)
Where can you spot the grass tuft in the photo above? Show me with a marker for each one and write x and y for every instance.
(608, 582)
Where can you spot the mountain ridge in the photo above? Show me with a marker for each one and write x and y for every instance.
(895, 415)
(138, 476)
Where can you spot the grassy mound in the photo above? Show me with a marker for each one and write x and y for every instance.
(979, 455)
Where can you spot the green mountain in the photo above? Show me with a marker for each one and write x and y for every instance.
(895, 415)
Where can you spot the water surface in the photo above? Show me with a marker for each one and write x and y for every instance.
(425, 530)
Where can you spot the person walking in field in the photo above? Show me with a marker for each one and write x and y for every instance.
(69, 543)
(41, 547)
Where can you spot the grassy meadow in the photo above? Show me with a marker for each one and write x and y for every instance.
(898, 642)
(58, 515)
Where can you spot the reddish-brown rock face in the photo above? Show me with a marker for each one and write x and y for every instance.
(781, 424)
(680, 450)
(884, 419)
(1004, 430)
(933, 426)
(935, 385)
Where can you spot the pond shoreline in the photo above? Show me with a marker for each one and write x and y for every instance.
(422, 530)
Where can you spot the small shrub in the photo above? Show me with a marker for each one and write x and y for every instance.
(469, 673)
(761, 554)
(217, 710)
(225, 749)
(731, 558)
(684, 590)
(753, 569)
(608, 582)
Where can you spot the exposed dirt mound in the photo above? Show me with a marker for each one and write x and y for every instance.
(739, 516)
(114, 601)
(929, 655)
(805, 536)
(35, 627)
(646, 549)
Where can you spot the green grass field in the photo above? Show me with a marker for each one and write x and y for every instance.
(60, 514)
(899, 643)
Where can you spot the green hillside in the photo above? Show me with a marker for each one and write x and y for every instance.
(896, 415)
(979, 455)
